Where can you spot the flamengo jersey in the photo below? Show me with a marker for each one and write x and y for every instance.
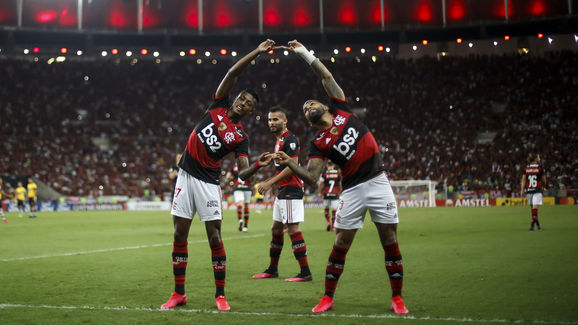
(213, 138)
(533, 174)
(331, 179)
(349, 144)
(240, 185)
(290, 188)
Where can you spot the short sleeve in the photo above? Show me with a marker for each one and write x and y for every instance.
(219, 102)
(338, 104)
(291, 146)
(314, 152)
(243, 148)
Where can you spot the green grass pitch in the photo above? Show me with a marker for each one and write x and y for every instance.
(461, 265)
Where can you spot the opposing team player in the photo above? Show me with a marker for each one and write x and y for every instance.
(242, 195)
(533, 181)
(329, 189)
(288, 209)
(217, 133)
(32, 189)
(344, 139)
(20, 194)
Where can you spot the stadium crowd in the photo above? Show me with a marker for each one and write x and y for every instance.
(113, 127)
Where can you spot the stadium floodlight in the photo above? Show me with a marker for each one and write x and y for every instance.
(414, 47)
(182, 53)
(79, 52)
(64, 50)
(362, 51)
(207, 53)
(26, 51)
(233, 53)
(332, 60)
(380, 48)
(550, 40)
(223, 51)
(192, 51)
(540, 35)
(495, 43)
(507, 37)
(270, 52)
(335, 51)
(471, 44)
(459, 41)
(36, 50)
(144, 52)
(285, 52)
(347, 49)
(114, 51)
(424, 42)
(60, 59)
(575, 38)
(103, 53)
(156, 54)
(373, 58)
(387, 49)
(128, 53)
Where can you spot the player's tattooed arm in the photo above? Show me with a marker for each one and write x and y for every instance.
(310, 175)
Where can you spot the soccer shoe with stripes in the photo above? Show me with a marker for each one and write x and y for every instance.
(175, 300)
(300, 278)
(240, 225)
(266, 274)
(222, 303)
(398, 306)
(324, 305)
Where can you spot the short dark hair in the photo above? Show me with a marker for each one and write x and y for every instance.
(253, 93)
(277, 109)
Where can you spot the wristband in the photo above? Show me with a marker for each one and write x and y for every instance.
(305, 54)
(256, 165)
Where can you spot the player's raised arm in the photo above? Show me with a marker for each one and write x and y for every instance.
(329, 83)
(310, 175)
(232, 75)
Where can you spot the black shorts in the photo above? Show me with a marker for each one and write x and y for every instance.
(31, 201)
(20, 203)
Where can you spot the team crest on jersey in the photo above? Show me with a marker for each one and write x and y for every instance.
(229, 137)
(339, 120)
(222, 126)
(334, 130)
(293, 146)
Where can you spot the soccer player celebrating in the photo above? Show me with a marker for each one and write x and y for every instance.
(31, 188)
(20, 194)
(242, 195)
(329, 188)
(533, 180)
(344, 139)
(288, 209)
(217, 133)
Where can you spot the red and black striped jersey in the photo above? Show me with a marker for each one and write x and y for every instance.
(213, 138)
(292, 186)
(349, 144)
(331, 179)
(240, 185)
(533, 174)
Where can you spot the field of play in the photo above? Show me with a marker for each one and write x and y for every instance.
(461, 266)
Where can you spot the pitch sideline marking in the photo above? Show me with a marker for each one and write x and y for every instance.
(106, 250)
(374, 316)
